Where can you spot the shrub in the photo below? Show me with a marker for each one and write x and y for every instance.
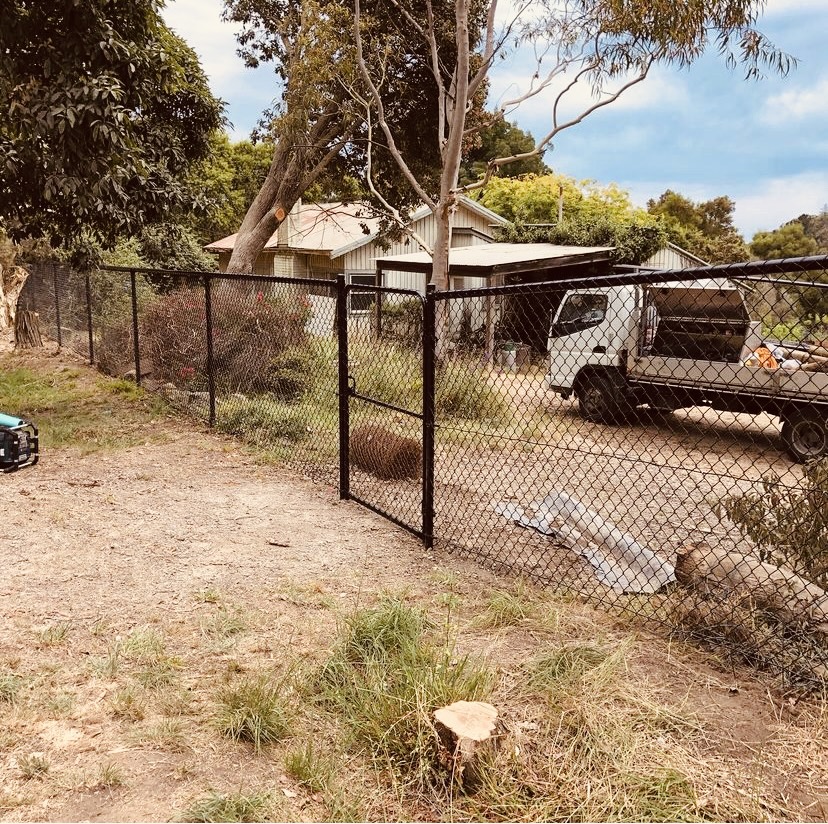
(789, 526)
(251, 333)
(463, 392)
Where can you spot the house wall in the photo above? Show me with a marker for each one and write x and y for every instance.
(263, 265)
(670, 258)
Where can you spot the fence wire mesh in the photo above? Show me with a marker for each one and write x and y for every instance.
(655, 442)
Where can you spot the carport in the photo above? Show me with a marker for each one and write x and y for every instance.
(522, 318)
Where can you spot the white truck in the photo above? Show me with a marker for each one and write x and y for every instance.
(671, 346)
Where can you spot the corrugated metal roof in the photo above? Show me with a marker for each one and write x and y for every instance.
(337, 228)
(493, 256)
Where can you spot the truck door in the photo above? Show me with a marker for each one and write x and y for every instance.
(589, 328)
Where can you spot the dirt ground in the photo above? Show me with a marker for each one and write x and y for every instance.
(185, 531)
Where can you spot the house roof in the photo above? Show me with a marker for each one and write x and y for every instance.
(490, 259)
(337, 228)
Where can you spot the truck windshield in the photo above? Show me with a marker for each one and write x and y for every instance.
(578, 312)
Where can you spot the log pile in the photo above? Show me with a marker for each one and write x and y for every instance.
(12, 281)
(27, 330)
(385, 454)
(767, 615)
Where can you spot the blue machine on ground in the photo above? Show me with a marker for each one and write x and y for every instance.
(18, 443)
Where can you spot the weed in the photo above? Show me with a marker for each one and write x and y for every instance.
(310, 769)
(159, 673)
(505, 609)
(568, 662)
(167, 734)
(34, 765)
(208, 596)
(62, 703)
(110, 776)
(10, 685)
(129, 704)
(253, 710)
(224, 623)
(55, 634)
(229, 807)
(109, 664)
(144, 645)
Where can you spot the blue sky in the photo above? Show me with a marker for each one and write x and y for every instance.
(702, 131)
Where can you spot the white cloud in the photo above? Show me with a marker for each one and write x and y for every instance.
(792, 6)
(761, 205)
(797, 104)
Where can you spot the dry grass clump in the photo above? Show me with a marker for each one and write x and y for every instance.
(253, 709)
(383, 682)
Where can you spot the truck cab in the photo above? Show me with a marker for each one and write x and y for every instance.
(674, 345)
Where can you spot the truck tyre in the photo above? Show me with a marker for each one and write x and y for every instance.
(805, 434)
(602, 398)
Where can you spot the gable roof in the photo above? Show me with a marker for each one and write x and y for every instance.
(337, 228)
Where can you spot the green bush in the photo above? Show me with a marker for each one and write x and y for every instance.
(463, 392)
(260, 420)
(789, 526)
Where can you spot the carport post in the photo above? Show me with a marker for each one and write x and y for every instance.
(343, 389)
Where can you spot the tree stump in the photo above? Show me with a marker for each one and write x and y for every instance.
(27, 330)
(469, 732)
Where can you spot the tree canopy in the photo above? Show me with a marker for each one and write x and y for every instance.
(787, 241)
(705, 229)
(500, 138)
(103, 111)
(591, 215)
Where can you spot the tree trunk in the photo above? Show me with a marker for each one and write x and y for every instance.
(794, 600)
(12, 281)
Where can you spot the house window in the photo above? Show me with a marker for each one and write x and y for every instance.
(362, 302)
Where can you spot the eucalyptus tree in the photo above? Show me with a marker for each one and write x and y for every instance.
(606, 45)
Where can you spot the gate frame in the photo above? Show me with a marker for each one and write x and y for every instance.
(347, 389)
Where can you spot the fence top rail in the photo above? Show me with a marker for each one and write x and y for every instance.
(752, 270)
(249, 278)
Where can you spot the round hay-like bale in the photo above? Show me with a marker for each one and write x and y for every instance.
(385, 454)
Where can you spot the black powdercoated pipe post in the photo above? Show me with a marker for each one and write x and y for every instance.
(211, 374)
(429, 387)
(344, 390)
(136, 344)
(57, 305)
(89, 320)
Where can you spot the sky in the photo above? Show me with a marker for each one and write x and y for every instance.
(703, 131)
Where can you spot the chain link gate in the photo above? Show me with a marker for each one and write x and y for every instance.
(386, 403)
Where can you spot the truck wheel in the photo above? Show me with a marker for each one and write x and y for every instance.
(805, 435)
(601, 399)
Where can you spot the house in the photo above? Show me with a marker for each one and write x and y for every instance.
(322, 240)
(673, 257)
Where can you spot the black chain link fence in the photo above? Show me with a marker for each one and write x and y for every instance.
(655, 442)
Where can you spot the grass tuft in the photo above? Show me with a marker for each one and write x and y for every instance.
(10, 685)
(253, 710)
(309, 768)
(385, 679)
(229, 807)
(55, 634)
(35, 765)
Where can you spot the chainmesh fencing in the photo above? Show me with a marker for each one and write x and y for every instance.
(653, 442)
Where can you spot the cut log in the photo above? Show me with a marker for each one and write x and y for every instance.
(12, 281)
(469, 732)
(385, 454)
(27, 330)
(791, 598)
